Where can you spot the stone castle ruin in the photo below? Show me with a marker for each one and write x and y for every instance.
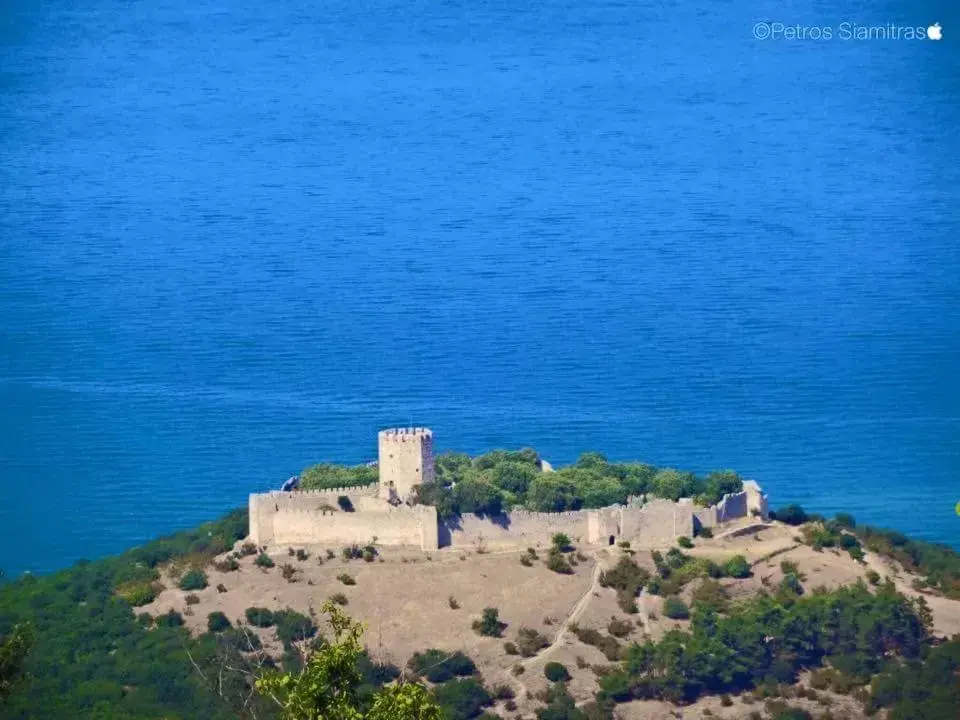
(388, 511)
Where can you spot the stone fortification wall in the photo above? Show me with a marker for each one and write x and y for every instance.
(659, 522)
(391, 526)
(518, 528)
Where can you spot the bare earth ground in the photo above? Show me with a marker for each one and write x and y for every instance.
(404, 599)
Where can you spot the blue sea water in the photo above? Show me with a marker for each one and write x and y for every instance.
(238, 238)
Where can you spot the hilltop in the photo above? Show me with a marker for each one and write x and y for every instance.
(811, 613)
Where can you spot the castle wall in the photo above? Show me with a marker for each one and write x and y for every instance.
(518, 528)
(659, 522)
(391, 526)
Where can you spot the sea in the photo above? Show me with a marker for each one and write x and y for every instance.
(239, 238)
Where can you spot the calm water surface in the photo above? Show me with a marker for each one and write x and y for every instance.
(238, 238)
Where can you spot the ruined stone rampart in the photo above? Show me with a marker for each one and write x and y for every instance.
(518, 528)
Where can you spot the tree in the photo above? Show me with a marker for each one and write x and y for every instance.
(13, 652)
(476, 495)
(720, 483)
(673, 484)
(327, 686)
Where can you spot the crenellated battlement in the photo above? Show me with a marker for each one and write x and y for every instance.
(356, 490)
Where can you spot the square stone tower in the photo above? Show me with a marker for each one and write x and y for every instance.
(406, 459)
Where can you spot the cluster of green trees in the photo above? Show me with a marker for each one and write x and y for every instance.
(502, 479)
(771, 639)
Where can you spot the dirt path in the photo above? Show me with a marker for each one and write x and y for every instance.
(571, 618)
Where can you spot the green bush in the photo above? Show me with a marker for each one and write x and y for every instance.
(293, 627)
(260, 617)
(556, 672)
(675, 608)
(561, 542)
(346, 579)
(217, 622)
(193, 580)
(170, 619)
(439, 666)
(704, 532)
(737, 567)
(338, 599)
(791, 515)
(461, 699)
(526, 561)
(263, 560)
(685, 542)
(139, 593)
(873, 577)
(489, 624)
(557, 562)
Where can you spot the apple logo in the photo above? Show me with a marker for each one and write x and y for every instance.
(935, 32)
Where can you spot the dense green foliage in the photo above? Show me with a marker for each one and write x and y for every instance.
(326, 475)
(556, 672)
(14, 648)
(328, 687)
(93, 658)
(502, 479)
(928, 689)
(766, 639)
(439, 666)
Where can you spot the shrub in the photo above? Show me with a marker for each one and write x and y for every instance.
(556, 672)
(873, 577)
(845, 520)
(344, 502)
(439, 666)
(704, 532)
(293, 627)
(248, 548)
(136, 594)
(503, 692)
(170, 619)
(675, 608)
(260, 617)
(518, 669)
(351, 552)
(489, 623)
(263, 560)
(526, 561)
(625, 544)
(289, 572)
(619, 628)
(791, 515)
(462, 699)
(217, 622)
(737, 567)
(291, 552)
(511, 649)
(561, 542)
(192, 599)
(338, 599)
(452, 602)
(558, 563)
(684, 542)
(193, 580)
(228, 564)
(530, 642)
(221, 588)
(302, 554)
(346, 579)
(726, 700)
(331, 554)
(712, 594)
